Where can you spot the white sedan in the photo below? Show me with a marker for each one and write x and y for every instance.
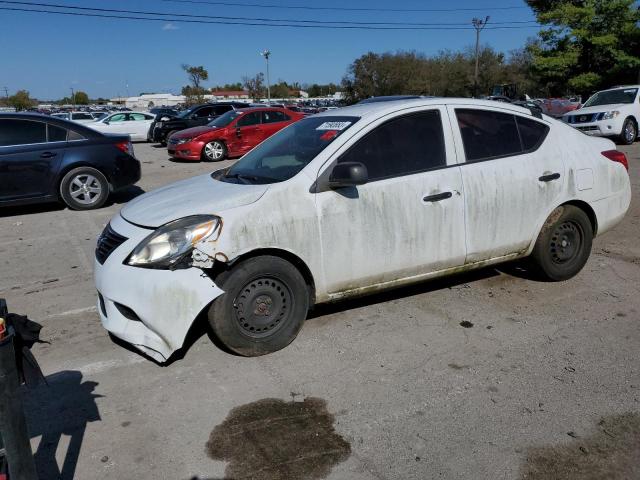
(134, 124)
(351, 202)
(78, 117)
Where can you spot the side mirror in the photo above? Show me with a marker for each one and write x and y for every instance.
(348, 174)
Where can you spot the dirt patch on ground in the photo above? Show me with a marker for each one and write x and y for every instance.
(277, 440)
(612, 453)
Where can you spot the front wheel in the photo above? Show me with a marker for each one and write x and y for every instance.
(263, 308)
(564, 244)
(215, 151)
(84, 188)
(629, 132)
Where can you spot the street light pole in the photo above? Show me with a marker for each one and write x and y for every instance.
(266, 54)
(73, 98)
(479, 25)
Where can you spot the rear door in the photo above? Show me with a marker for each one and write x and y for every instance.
(138, 125)
(30, 153)
(512, 179)
(272, 121)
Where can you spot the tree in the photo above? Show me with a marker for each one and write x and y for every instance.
(81, 98)
(194, 95)
(280, 90)
(21, 100)
(587, 45)
(254, 86)
(196, 75)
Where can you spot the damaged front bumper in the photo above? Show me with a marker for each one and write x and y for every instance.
(149, 308)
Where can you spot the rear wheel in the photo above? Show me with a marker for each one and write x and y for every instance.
(629, 132)
(564, 244)
(84, 188)
(263, 308)
(215, 151)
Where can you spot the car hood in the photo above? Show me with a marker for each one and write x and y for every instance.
(598, 109)
(193, 132)
(201, 195)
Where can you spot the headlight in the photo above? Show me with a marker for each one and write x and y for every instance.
(610, 115)
(159, 124)
(172, 242)
(164, 119)
(180, 141)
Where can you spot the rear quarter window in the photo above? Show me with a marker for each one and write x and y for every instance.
(532, 133)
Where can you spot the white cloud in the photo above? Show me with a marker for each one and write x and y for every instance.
(170, 26)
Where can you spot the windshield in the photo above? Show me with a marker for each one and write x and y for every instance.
(611, 97)
(225, 119)
(287, 152)
(186, 113)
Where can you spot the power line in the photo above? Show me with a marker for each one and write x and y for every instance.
(254, 24)
(245, 19)
(345, 9)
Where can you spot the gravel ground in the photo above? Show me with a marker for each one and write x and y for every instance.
(543, 383)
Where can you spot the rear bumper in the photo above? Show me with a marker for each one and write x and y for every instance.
(611, 210)
(127, 172)
(150, 309)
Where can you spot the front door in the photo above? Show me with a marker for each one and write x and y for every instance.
(408, 219)
(28, 161)
(512, 179)
(249, 132)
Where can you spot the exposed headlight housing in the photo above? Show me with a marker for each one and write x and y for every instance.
(180, 141)
(171, 243)
(610, 115)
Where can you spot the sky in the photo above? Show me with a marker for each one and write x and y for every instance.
(49, 54)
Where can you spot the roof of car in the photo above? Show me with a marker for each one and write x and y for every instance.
(77, 127)
(376, 109)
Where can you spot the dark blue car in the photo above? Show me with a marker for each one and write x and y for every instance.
(45, 159)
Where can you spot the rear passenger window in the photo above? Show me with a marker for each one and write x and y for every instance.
(410, 144)
(532, 133)
(56, 134)
(74, 136)
(22, 132)
(488, 134)
(273, 117)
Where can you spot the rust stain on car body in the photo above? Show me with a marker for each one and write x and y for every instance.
(278, 440)
(612, 452)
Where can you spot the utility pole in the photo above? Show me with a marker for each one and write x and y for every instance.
(73, 98)
(479, 25)
(6, 95)
(266, 54)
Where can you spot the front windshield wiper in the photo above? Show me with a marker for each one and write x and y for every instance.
(250, 179)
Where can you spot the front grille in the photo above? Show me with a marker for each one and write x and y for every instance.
(108, 241)
(589, 129)
(586, 118)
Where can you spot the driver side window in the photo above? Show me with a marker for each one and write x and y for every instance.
(403, 146)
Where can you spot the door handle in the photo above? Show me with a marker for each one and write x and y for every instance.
(550, 177)
(48, 155)
(438, 197)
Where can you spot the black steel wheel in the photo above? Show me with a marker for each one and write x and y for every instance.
(564, 244)
(263, 308)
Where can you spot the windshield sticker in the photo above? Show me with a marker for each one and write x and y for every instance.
(329, 135)
(334, 126)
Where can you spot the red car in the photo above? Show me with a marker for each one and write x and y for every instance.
(230, 135)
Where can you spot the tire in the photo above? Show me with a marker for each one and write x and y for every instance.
(84, 188)
(564, 244)
(629, 132)
(215, 151)
(263, 308)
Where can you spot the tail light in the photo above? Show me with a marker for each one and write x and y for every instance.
(617, 156)
(125, 147)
